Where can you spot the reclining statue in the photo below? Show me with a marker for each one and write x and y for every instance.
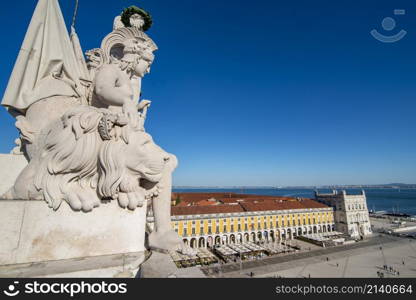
(82, 125)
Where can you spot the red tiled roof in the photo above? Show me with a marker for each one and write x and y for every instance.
(281, 205)
(203, 210)
(224, 197)
(183, 204)
(206, 203)
(198, 203)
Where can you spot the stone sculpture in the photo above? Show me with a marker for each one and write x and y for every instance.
(81, 122)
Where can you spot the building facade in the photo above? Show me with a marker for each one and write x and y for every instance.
(350, 212)
(250, 220)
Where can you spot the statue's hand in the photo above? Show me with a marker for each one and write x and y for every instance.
(144, 104)
(129, 109)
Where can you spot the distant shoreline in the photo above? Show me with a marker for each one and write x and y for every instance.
(380, 198)
(410, 187)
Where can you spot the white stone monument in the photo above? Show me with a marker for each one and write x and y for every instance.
(350, 212)
(78, 185)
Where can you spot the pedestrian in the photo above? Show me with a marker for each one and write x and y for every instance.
(327, 258)
(398, 273)
(403, 262)
(337, 265)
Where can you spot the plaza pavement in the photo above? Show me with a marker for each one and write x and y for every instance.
(363, 259)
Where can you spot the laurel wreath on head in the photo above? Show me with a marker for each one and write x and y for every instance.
(128, 12)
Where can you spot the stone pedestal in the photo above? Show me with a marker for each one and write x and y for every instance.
(105, 266)
(10, 167)
(31, 232)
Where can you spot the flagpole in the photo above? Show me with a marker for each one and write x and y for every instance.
(75, 14)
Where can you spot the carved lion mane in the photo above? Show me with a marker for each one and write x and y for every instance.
(80, 163)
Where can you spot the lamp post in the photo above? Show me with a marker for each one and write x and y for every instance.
(241, 261)
(220, 269)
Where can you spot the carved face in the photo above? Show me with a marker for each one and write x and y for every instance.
(144, 60)
(138, 53)
(94, 58)
(144, 158)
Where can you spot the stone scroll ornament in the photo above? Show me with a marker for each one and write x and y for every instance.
(81, 122)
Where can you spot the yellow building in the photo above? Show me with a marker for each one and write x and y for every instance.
(212, 222)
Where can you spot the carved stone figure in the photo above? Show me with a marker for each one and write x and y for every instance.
(82, 122)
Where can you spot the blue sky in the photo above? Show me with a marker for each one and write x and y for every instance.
(264, 92)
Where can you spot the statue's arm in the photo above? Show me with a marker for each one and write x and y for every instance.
(110, 88)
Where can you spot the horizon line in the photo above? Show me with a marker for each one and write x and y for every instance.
(293, 186)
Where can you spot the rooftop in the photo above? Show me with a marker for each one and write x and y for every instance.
(217, 203)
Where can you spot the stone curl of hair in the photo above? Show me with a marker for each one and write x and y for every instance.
(69, 155)
(75, 158)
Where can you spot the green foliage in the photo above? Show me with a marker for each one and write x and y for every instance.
(128, 12)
